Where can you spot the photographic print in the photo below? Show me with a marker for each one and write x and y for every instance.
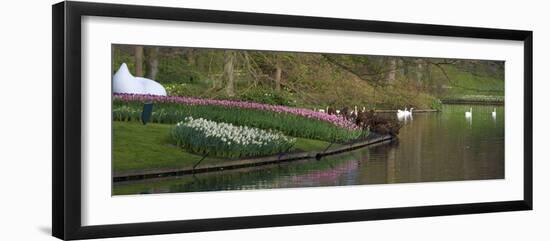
(190, 119)
(159, 114)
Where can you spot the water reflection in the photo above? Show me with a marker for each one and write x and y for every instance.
(434, 147)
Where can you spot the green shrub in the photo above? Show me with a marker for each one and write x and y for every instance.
(436, 104)
(175, 69)
(267, 97)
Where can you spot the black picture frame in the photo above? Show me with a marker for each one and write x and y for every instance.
(66, 128)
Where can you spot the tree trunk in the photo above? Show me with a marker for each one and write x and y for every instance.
(392, 71)
(407, 70)
(152, 62)
(228, 67)
(190, 56)
(419, 75)
(402, 67)
(138, 53)
(278, 73)
(428, 77)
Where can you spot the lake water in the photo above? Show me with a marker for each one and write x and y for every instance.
(443, 146)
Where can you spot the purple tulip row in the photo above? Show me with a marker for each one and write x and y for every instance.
(336, 120)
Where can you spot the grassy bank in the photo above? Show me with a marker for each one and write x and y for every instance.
(453, 84)
(468, 99)
(138, 147)
(189, 183)
(467, 88)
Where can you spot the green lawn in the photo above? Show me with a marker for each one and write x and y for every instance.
(469, 86)
(138, 147)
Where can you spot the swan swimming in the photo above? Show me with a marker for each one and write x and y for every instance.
(468, 114)
(401, 113)
(494, 113)
(404, 113)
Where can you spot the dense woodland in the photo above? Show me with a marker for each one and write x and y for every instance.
(314, 80)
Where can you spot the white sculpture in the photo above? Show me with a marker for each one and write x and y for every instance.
(124, 82)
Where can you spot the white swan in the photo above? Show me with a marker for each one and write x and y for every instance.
(494, 113)
(409, 113)
(404, 113)
(401, 114)
(125, 82)
(401, 111)
(468, 114)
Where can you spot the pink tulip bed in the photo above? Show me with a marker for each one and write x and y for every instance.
(336, 120)
(296, 122)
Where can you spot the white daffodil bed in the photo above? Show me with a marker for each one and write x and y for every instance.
(226, 140)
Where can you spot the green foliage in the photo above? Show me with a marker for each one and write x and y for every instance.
(312, 80)
(187, 89)
(119, 57)
(400, 98)
(174, 69)
(290, 125)
(267, 97)
(437, 104)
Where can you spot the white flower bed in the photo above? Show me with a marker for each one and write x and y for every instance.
(223, 139)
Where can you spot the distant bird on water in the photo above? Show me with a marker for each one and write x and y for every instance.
(402, 113)
(494, 113)
(468, 114)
